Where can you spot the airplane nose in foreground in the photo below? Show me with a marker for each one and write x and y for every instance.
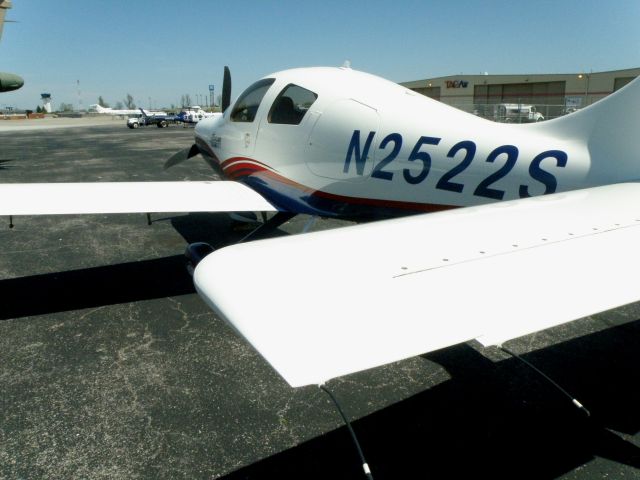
(10, 81)
(208, 125)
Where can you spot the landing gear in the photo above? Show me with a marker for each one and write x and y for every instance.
(268, 226)
(195, 252)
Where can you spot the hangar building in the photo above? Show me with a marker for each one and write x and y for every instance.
(523, 98)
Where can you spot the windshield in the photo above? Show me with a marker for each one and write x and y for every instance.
(246, 106)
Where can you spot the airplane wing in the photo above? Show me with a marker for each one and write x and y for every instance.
(4, 6)
(129, 197)
(334, 302)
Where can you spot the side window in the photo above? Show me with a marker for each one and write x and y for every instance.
(291, 105)
(247, 105)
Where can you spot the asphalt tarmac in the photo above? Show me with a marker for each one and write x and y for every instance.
(111, 367)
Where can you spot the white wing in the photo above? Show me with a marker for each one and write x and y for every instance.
(334, 302)
(128, 197)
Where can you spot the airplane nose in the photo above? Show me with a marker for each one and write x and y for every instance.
(206, 126)
(210, 123)
(10, 81)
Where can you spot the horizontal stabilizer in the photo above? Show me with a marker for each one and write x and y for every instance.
(334, 302)
(128, 197)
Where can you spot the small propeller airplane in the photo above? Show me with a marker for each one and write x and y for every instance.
(549, 232)
(341, 143)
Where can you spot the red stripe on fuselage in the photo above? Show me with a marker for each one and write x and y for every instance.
(227, 163)
(237, 168)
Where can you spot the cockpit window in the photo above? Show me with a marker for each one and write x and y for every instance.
(247, 105)
(291, 105)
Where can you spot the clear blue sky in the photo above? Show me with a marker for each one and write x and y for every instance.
(162, 49)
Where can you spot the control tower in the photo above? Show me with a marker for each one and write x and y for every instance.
(46, 102)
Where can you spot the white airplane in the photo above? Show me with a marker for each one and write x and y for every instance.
(195, 113)
(549, 235)
(337, 142)
(97, 108)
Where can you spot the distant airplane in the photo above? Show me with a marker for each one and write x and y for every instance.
(96, 108)
(8, 81)
(194, 114)
(340, 143)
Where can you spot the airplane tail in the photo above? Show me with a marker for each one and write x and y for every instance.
(98, 108)
(609, 129)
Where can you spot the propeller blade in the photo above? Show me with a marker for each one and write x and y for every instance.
(182, 156)
(226, 89)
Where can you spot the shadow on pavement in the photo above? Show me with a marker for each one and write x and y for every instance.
(126, 282)
(216, 229)
(93, 287)
(492, 420)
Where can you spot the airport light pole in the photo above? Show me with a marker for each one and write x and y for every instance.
(586, 89)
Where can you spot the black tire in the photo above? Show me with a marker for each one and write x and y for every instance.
(162, 124)
(134, 125)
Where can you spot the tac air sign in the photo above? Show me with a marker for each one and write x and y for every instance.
(457, 83)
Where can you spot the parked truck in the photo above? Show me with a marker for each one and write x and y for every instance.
(161, 120)
(517, 113)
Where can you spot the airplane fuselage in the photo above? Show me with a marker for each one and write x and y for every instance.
(358, 144)
(96, 108)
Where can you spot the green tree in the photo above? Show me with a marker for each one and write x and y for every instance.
(129, 103)
(185, 100)
(102, 103)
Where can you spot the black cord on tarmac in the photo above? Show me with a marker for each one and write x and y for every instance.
(365, 465)
(574, 400)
